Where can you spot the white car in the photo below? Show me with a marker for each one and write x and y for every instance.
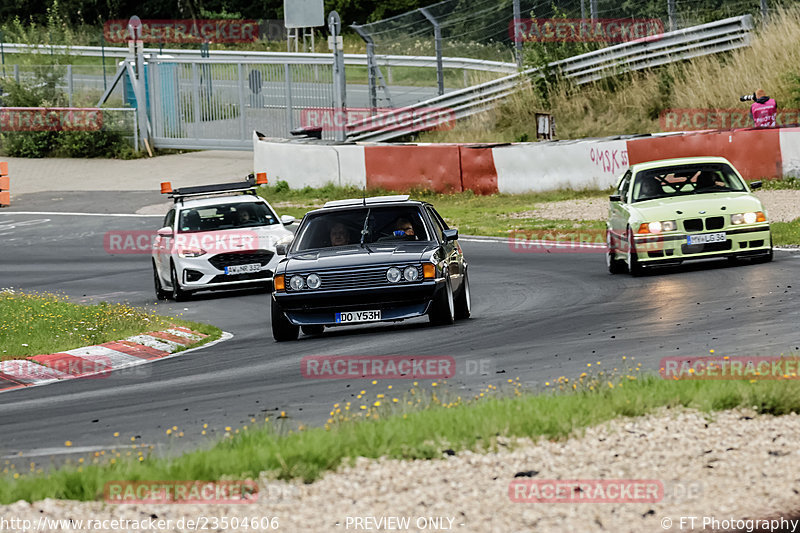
(217, 237)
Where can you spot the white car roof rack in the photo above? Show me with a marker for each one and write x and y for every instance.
(244, 187)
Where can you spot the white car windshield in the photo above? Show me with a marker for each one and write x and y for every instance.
(225, 216)
(683, 180)
(375, 224)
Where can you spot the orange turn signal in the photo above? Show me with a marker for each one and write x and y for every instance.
(428, 270)
(279, 283)
(261, 178)
(644, 228)
(166, 187)
(760, 217)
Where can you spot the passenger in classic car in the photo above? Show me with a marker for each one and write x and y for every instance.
(339, 235)
(403, 228)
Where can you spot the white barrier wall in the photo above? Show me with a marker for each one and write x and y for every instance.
(547, 166)
(314, 165)
(790, 151)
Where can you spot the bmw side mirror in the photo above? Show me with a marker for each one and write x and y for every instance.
(615, 198)
(755, 185)
(287, 219)
(450, 235)
(280, 249)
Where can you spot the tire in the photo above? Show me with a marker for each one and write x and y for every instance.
(766, 258)
(615, 266)
(178, 294)
(442, 311)
(634, 266)
(313, 331)
(161, 294)
(282, 329)
(463, 304)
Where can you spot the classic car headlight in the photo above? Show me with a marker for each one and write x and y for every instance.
(410, 273)
(748, 218)
(393, 274)
(191, 252)
(296, 282)
(313, 281)
(658, 226)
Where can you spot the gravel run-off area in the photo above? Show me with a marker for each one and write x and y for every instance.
(781, 205)
(730, 465)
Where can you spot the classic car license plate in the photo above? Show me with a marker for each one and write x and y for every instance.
(706, 238)
(358, 316)
(243, 269)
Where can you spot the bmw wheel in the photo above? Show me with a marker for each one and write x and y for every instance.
(634, 266)
(615, 266)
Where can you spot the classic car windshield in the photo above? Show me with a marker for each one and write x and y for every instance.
(225, 216)
(342, 227)
(683, 180)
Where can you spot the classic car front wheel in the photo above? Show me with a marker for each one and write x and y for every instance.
(442, 311)
(282, 329)
(464, 300)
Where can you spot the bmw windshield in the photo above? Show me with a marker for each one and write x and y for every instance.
(665, 182)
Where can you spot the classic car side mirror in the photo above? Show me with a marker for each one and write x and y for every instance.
(615, 197)
(450, 235)
(755, 185)
(280, 249)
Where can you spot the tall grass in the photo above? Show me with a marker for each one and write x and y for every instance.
(630, 103)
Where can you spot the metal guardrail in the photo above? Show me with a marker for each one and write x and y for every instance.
(460, 63)
(711, 38)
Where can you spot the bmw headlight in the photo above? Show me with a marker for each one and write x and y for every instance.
(410, 273)
(313, 281)
(296, 282)
(748, 218)
(660, 226)
(393, 274)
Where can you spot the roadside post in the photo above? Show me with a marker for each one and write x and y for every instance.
(5, 185)
(339, 82)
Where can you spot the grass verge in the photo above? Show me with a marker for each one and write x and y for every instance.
(34, 324)
(422, 431)
(472, 214)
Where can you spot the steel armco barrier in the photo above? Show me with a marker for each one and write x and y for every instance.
(711, 38)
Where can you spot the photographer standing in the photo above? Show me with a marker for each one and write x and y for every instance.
(763, 109)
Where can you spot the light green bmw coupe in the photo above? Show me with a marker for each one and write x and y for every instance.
(669, 211)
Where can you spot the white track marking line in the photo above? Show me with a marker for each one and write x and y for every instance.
(51, 213)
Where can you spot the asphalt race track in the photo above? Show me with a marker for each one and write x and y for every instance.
(535, 316)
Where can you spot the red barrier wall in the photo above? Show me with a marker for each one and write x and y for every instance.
(401, 168)
(756, 153)
(478, 172)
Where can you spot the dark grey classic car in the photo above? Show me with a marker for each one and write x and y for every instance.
(379, 259)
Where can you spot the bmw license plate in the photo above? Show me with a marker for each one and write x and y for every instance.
(706, 238)
(358, 316)
(243, 269)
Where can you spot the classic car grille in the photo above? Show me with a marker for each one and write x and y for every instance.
(688, 249)
(711, 223)
(220, 261)
(355, 278)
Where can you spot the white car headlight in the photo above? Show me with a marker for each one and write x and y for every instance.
(313, 281)
(191, 252)
(393, 274)
(296, 282)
